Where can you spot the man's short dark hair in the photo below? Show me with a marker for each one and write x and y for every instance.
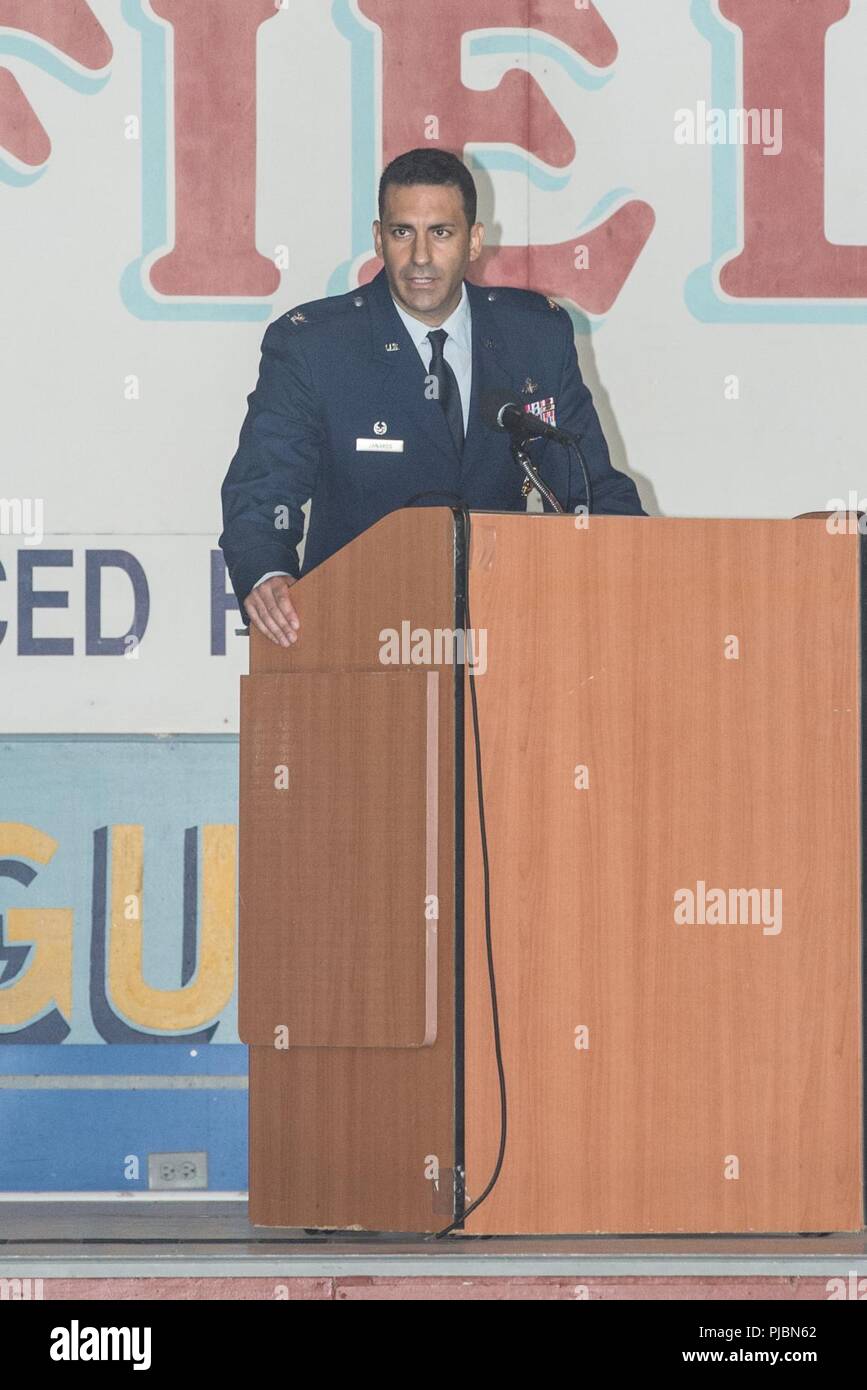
(430, 166)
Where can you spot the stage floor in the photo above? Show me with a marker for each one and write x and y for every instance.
(213, 1240)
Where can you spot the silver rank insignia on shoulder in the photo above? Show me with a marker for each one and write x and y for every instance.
(552, 303)
(297, 317)
(392, 347)
(529, 386)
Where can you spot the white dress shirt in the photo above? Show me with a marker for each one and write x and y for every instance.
(458, 349)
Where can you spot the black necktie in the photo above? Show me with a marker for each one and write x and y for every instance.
(447, 384)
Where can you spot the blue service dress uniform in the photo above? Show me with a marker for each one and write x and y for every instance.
(341, 416)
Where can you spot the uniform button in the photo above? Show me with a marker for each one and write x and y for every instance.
(358, 301)
(493, 294)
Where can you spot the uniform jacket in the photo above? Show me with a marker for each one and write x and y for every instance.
(341, 385)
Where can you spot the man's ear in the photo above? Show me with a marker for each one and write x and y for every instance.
(477, 240)
(377, 238)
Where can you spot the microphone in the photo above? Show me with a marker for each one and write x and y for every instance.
(519, 423)
(522, 425)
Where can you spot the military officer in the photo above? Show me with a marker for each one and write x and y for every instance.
(366, 399)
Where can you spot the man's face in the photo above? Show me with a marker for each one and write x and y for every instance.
(426, 245)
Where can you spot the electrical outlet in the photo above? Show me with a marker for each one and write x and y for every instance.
(180, 1170)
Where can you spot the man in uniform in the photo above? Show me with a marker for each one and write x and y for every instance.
(367, 399)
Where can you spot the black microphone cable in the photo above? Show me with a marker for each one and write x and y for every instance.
(574, 447)
(461, 506)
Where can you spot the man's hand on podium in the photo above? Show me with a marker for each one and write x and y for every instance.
(269, 606)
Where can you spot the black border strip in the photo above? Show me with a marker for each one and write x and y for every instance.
(461, 579)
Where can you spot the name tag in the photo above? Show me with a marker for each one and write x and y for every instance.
(379, 446)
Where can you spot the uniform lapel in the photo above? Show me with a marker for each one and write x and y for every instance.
(493, 374)
(402, 370)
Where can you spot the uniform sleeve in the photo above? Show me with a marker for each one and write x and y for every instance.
(613, 492)
(274, 470)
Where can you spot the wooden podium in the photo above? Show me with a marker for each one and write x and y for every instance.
(670, 721)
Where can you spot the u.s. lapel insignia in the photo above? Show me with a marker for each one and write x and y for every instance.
(298, 317)
(552, 303)
(392, 347)
(529, 386)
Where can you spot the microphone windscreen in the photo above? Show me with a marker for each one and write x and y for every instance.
(491, 404)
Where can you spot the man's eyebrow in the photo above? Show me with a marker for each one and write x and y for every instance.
(434, 226)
